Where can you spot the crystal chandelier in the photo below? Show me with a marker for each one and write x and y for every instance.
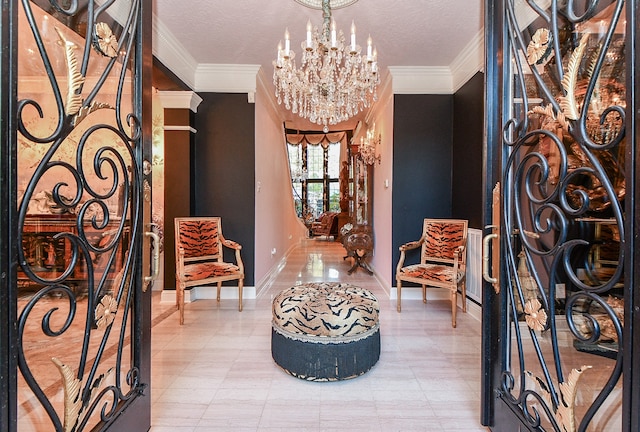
(334, 82)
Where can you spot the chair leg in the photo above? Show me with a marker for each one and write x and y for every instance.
(454, 307)
(464, 296)
(240, 285)
(219, 288)
(180, 301)
(399, 290)
(424, 293)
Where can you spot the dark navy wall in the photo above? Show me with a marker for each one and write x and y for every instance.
(422, 164)
(224, 169)
(468, 133)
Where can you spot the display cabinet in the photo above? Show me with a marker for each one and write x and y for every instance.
(361, 189)
(48, 255)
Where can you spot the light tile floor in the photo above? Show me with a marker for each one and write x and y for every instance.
(216, 373)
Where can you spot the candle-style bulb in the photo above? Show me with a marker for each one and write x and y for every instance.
(353, 36)
(279, 61)
(333, 33)
(309, 33)
(287, 43)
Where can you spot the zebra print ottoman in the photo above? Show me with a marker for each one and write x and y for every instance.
(325, 331)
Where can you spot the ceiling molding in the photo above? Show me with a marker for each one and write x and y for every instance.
(421, 79)
(119, 11)
(226, 78)
(468, 62)
(242, 78)
(172, 53)
(179, 100)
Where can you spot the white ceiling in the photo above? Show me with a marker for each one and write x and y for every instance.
(220, 45)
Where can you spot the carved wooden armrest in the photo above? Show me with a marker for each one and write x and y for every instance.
(237, 247)
(405, 247)
(411, 245)
(231, 244)
(458, 257)
(180, 263)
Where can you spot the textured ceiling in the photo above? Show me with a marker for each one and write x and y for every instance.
(405, 32)
(408, 33)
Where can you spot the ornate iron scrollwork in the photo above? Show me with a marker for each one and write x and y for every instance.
(564, 139)
(76, 118)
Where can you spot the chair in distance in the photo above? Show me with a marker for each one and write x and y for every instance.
(442, 261)
(199, 257)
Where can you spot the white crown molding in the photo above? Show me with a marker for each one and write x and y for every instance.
(226, 78)
(180, 99)
(119, 11)
(468, 62)
(421, 80)
(242, 78)
(172, 53)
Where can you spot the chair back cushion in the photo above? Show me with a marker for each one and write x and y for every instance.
(198, 237)
(442, 238)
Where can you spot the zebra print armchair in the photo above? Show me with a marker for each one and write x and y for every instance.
(443, 259)
(199, 246)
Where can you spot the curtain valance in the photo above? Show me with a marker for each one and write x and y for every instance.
(317, 139)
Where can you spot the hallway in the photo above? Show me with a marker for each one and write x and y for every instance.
(216, 373)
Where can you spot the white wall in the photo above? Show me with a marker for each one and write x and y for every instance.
(382, 115)
(277, 226)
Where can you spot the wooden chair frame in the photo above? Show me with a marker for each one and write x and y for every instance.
(449, 259)
(211, 257)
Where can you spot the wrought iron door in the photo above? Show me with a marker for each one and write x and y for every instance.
(560, 167)
(75, 304)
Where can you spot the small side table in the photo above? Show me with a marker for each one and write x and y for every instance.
(358, 243)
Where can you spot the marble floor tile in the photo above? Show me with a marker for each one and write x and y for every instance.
(232, 375)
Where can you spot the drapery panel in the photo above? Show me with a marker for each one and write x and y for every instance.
(317, 139)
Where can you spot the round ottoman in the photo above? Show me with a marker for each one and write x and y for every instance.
(325, 331)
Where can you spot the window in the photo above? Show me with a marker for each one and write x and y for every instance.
(315, 177)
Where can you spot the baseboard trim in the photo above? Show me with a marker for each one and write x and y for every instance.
(208, 292)
(415, 294)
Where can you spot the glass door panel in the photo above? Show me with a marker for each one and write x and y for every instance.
(562, 221)
(79, 211)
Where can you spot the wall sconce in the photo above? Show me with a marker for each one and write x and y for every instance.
(368, 146)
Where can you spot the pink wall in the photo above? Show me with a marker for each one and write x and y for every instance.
(382, 115)
(277, 226)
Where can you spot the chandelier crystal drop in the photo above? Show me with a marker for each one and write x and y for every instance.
(334, 82)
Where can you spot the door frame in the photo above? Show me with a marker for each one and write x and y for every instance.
(630, 344)
(8, 217)
(493, 330)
